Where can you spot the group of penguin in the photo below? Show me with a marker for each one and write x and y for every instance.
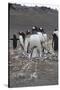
(15, 39)
(55, 37)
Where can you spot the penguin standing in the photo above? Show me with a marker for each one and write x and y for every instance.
(21, 39)
(55, 40)
(14, 41)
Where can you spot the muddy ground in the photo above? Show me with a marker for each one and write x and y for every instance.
(32, 72)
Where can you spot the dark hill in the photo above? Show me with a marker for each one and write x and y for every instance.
(23, 18)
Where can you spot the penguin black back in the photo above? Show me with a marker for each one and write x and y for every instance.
(14, 41)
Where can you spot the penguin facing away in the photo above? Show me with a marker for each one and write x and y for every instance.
(14, 41)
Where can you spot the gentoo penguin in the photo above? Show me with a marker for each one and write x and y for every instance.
(21, 39)
(32, 43)
(34, 30)
(27, 38)
(41, 29)
(55, 40)
(14, 41)
(43, 37)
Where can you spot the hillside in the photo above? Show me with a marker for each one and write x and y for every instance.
(23, 18)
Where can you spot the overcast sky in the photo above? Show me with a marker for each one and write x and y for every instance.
(49, 3)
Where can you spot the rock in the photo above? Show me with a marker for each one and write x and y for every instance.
(34, 75)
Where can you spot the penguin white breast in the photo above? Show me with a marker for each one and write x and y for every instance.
(21, 39)
(34, 40)
(44, 37)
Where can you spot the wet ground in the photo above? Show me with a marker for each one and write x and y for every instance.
(33, 72)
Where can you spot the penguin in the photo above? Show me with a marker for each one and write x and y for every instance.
(34, 30)
(14, 41)
(21, 39)
(43, 37)
(41, 30)
(55, 40)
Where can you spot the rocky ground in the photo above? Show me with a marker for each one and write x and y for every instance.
(33, 72)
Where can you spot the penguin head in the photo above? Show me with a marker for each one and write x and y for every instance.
(14, 36)
(55, 29)
(41, 29)
(34, 29)
(19, 33)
